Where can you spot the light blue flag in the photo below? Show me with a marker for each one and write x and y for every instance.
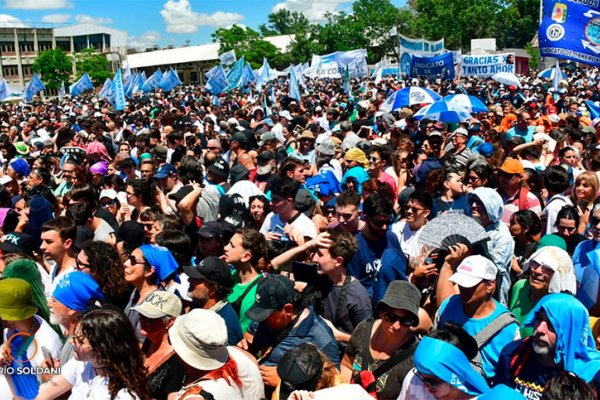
(247, 75)
(298, 70)
(62, 91)
(266, 107)
(294, 87)
(235, 75)
(130, 84)
(4, 89)
(34, 86)
(118, 91)
(217, 83)
(594, 109)
(228, 58)
(127, 72)
(84, 83)
(273, 99)
(558, 76)
(169, 81)
(143, 76)
(211, 71)
(152, 83)
(176, 76)
(264, 74)
(216, 101)
(105, 92)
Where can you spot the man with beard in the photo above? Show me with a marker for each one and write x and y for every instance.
(210, 284)
(561, 341)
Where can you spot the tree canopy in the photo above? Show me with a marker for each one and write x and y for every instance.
(54, 68)
(96, 65)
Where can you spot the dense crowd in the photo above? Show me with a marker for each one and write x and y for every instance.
(257, 246)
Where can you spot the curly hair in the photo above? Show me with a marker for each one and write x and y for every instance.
(144, 189)
(106, 267)
(116, 349)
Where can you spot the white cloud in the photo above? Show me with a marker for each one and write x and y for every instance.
(180, 18)
(312, 9)
(37, 4)
(86, 19)
(8, 21)
(56, 18)
(145, 40)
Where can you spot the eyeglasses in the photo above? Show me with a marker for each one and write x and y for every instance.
(392, 318)
(107, 204)
(135, 261)
(429, 381)
(374, 159)
(379, 222)
(80, 266)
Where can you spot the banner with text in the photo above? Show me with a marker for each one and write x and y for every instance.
(440, 66)
(334, 65)
(417, 47)
(487, 64)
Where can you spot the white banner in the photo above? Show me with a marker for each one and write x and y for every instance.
(487, 64)
(417, 47)
(334, 65)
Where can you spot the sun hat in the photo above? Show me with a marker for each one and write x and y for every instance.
(472, 270)
(200, 339)
(159, 304)
(403, 295)
(16, 300)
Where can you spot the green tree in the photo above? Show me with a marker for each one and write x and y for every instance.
(96, 65)
(54, 68)
(517, 23)
(246, 42)
(534, 61)
(284, 22)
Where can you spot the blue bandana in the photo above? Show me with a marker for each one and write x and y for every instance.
(450, 365)
(20, 166)
(77, 290)
(162, 260)
(575, 346)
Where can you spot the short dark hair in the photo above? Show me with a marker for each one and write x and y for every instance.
(423, 198)
(344, 245)
(285, 187)
(378, 205)
(566, 385)
(528, 219)
(65, 226)
(556, 179)
(289, 165)
(348, 198)
(568, 212)
(255, 243)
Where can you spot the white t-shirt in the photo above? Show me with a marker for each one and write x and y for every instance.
(88, 385)
(246, 189)
(253, 388)
(301, 223)
(409, 239)
(414, 389)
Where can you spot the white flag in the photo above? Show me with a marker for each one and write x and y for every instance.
(393, 32)
(228, 58)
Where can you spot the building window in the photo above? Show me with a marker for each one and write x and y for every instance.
(43, 46)
(10, 71)
(7, 47)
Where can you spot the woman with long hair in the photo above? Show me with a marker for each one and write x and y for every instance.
(585, 191)
(107, 365)
(102, 262)
(258, 210)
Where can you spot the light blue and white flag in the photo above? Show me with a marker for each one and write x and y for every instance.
(228, 57)
(127, 72)
(4, 89)
(152, 83)
(106, 92)
(169, 81)
(263, 74)
(234, 77)
(266, 107)
(62, 91)
(216, 101)
(294, 87)
(83, 83)
(118, 99)
(34, 86)
(558, 76)
(247, 75)
(217, 82)
(211, 71)
(130, 85)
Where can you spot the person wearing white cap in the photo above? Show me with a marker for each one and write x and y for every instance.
(200, 340)
(284, 119)
(460, 153)
(474, 308)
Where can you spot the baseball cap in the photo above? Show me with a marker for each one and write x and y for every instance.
(460, 131)
(158, 304)
(239, 173)
(231, 203)
(273, 292)
(299, 369)
(77, 291)
(265, 137)
(17, 242)
(108, 193)
(164, 171)
(239, 137)
(512, 166)
(220, 168)
(285, 114)
(212, 229)
(472, 270)
(211, 269)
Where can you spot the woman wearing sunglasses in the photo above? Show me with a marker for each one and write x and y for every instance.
(379, 354)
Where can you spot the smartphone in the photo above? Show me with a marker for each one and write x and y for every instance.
(47, 355)
(298, 130)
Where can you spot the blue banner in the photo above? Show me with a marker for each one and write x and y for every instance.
(169, 81)
(152, 83)
(217, 82)
(234, 77)
(434, 67)
(84, 83)
(570, 30)
(34, 86)
(118, 92)
(106, 92)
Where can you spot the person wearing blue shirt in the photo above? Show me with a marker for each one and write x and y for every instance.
(379, 259)
(586, 262)
(474, 308)
(522, 129)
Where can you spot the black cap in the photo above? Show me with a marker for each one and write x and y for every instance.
(17, 242)
(132, 234)
(239, 173)
(265, 157)
(220, 168)
(181, 193)
(273, 292)
(299, 369)
(211, 269)
(231, 203)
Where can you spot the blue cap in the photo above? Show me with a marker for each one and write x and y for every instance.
(164, 171)
(77, 290)
(20, 166)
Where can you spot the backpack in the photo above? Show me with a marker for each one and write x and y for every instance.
(487, 333)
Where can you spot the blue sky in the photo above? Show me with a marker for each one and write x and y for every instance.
(161, 22)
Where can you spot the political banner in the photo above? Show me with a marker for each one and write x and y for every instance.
(334, 65)
(417, 47)
(487, 64)
(570, 30)
(440, 66)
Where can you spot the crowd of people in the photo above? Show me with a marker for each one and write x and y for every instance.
(255, 246)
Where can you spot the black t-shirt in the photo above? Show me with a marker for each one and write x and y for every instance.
(357, 307)
(169, 377)
(388, 384)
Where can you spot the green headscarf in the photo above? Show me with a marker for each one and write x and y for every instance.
(27, 270)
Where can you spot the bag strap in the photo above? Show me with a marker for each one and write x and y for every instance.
(396, 358)
(366, 348)
(341, 305)
(523, 199)
(237, 304)
(483, 336)
(264, 353)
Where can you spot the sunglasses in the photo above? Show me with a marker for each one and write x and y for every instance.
(393, 318)
(107, 204)
(135, 261)
(428, 381)
(79, 266)
(379, 222)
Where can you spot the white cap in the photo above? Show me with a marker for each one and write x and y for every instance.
(285, 114)
(472, 270)
(108, 193)
(97, 114)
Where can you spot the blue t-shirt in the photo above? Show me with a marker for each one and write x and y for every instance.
(459, 206)
(234, 329)
(526, 134)
(451, 310)
(377, 263)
